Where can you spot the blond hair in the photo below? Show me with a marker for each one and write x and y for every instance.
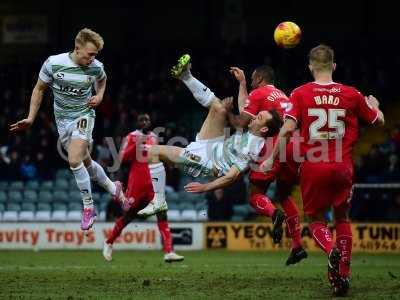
(321, 58)
(87, 35)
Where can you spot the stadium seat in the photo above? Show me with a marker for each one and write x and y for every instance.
(60, 196)
(237, 218)
(96, 197)
(47, 185)
(74, 215)
(173, 205)
(16, 185)
(102, 206)
(11, 214)
(45, 196)
(72, 185)
(43, 212)
(172, 197)
(241, 210)
(59, 215)
(189, 215)
(32, 184)
(2, 209)
(61, 184)
(201, 205)
(193, 198)
(187, 206)
(174, 215)
(101, 216)
(202, 215)
(59, 206)
(63, 174)
(27, 212)
(105, 198)
(3, 185)
(75, 196)
(3, 197)
(43, 207)
(30, 196)
(75, 206)
(15, 196)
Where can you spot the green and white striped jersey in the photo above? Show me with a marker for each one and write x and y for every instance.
(238, 150)
(71, 84)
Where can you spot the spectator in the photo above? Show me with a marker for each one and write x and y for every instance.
(28, 169)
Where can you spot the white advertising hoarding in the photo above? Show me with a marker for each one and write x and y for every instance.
(138, 236)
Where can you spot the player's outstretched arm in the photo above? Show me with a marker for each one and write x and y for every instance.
(36, 100)
(219, 183)
(241, 78)
(237, 121)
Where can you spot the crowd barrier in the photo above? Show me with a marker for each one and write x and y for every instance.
(186, 236)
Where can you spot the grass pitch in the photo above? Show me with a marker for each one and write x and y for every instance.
(203, 275)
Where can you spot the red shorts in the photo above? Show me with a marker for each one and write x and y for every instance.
(324, 185)
(140, 188)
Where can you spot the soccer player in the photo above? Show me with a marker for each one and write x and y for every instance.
(71, 76)
(213, 155)
(265, 96)
(143, 186)
(328, 114)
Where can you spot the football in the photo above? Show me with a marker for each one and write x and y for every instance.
(287, 35)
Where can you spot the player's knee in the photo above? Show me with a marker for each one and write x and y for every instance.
(217, 107)
(74, 162)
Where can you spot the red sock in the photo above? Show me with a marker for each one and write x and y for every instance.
(119, 225)
(292, 221)
(165, 236)
(344, 242)
(322, 235)
(262, 204)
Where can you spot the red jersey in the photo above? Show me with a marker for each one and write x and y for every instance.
(134, 150)
(327, 115)
(135, 147)
(267, 97)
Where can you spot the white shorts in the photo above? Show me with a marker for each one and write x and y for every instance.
(80, 128)
(196, 158)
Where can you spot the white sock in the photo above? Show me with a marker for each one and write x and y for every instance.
(158, 177)
(200, 92)
(83, 181)
(98, 175)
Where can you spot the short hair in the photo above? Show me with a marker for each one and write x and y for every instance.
(266, 72)
(87, 35)
(274, 124)
(141, 115)
(321, 58)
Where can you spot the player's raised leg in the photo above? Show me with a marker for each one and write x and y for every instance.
(216, 120)
(77, 150)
